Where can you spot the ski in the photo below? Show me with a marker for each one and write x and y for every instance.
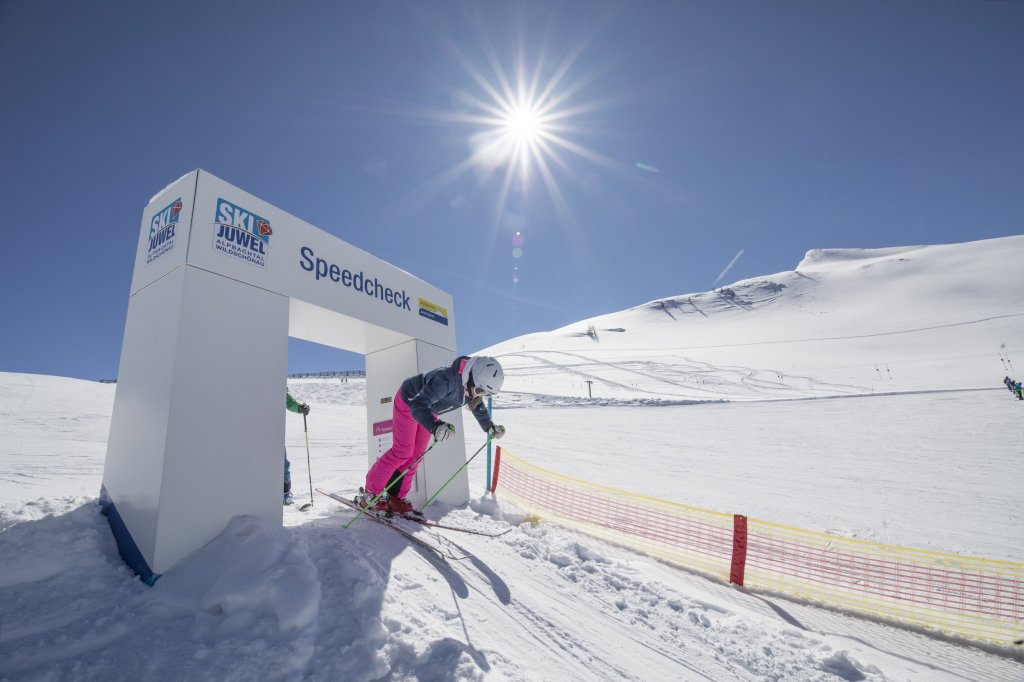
(417, 517)
(441, 526)
(442, 554)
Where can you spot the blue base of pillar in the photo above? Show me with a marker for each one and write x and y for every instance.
(126, 546)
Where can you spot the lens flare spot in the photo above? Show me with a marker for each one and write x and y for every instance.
(517, 252)
(518, 239)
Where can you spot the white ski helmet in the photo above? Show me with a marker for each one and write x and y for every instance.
(485, 373)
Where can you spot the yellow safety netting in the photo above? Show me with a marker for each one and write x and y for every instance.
(688, 536)
(965, 596)
(960, 595)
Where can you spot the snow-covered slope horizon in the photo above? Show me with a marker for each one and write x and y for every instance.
(844, 322)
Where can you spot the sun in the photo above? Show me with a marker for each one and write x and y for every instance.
(523, 119)
(524, 124)
(518, 136)
(523, 115)
(520, 117)
(521, 127)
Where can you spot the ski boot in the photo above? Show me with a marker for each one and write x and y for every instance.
(399, 506)
(364, 498)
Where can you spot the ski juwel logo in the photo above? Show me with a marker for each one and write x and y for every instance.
(240, 233)
(161, 230)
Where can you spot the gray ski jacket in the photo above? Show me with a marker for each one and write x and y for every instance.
(438, 391)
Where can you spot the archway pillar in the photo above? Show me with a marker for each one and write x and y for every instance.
(221, 280)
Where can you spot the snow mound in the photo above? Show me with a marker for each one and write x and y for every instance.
(821, 258)
(219, 582)
(245, 606)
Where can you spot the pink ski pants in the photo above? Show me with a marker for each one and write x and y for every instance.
(409, 440)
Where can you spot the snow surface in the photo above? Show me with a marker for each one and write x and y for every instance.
(860, 394)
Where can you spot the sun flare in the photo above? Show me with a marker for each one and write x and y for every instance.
(522, 119)
(524, 124)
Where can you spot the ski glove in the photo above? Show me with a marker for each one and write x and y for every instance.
(496, 431)
(303, 408)
(443, 431)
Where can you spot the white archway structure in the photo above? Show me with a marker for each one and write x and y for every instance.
(221, 280)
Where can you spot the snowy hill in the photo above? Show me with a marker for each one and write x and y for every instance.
(928, 456)
(845, 322)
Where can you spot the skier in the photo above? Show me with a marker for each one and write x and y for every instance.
(415, 410)
(1015, 387)
(293, 405)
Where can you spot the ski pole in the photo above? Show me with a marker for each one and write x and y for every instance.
(486, 443)
(379, 495)
(309, 467)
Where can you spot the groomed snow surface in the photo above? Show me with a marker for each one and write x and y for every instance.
(862, 398)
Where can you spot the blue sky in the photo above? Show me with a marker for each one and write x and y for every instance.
(678, 136)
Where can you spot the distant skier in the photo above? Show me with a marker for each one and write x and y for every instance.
(415, 410)
(1014, 387)
(293, 405)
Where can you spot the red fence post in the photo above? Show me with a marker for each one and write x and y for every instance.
(497, 467)
(739, 549)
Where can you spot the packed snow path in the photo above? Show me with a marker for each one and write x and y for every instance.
(317, 602)
(312, 600)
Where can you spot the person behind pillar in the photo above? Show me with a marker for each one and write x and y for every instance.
(416, 411)
(301, 408)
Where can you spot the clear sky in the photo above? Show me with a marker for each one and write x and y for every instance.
(666, 145)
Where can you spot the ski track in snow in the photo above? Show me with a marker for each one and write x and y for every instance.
(317, 602)
(541, 602)
(679, 373)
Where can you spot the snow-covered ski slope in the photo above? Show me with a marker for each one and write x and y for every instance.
(844, 322)
(931, 457)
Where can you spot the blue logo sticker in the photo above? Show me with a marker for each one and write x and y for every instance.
(161, 230)
(241, 234)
